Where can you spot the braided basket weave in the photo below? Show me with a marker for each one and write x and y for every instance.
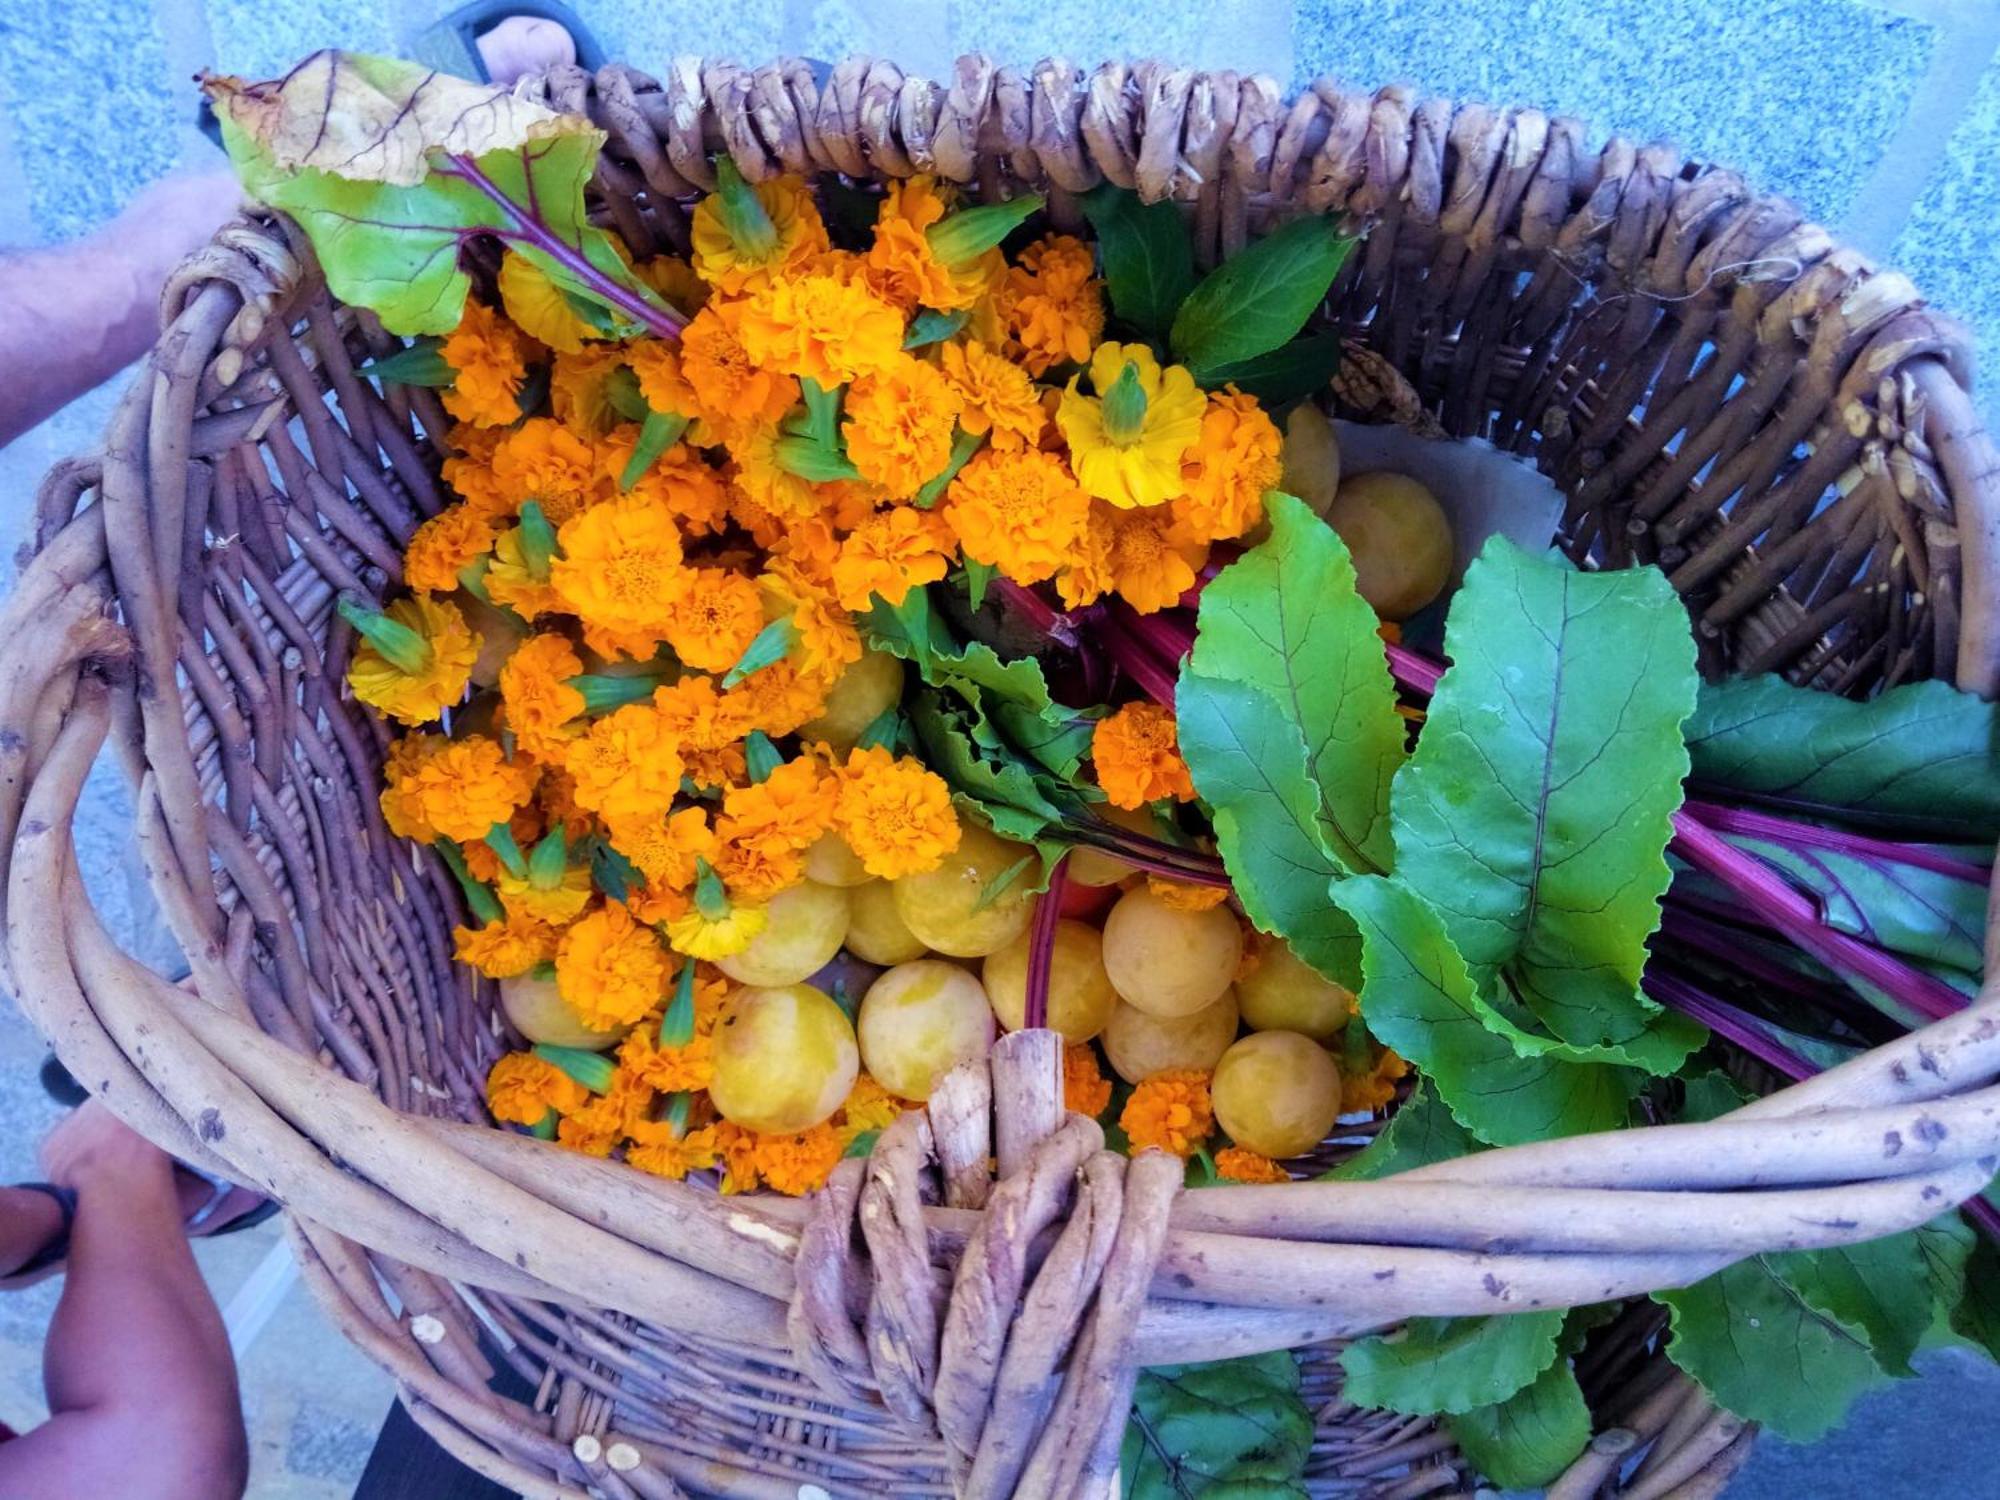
(1716, 386)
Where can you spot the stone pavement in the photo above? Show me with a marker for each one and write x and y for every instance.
(1882, 117)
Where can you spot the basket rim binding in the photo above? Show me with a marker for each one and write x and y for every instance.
(1836, 352)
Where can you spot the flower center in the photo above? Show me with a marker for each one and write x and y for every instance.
(1125, 407)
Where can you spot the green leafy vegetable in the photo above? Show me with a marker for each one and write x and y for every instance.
(1882, 1287)
(1292, 370)
(1148, 258)
(1450, 1364)
(420, 364)
(1197, 1429)
(1524, 1442)
(1420, 1132)
(1260, 297)
(1924, 913)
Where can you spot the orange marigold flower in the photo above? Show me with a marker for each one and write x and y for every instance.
(1169, 1111)
(543, 460)
(658, 1150)
(457, 789)
(1020, 512)
(580, 389)
(468, 469)
(1086, 1091)
(1373, 1089)
(617, 563)
(542, 708)
(869, 1106)
(821, 328)
(1051, 304)
(665, 849)
(889, 554)
(1138, 756)
(603, 1122)
(672, 1070)
(512, 583)
(777, 700)
(521, 1088)
(768, 484)
(1183, 896)
(898, 425)
(736, 1151)
(755, 871)
(502, 949)
(728, 388)
(688, 485)
(446, 543)
(1229, 471)
(402, 800)
(489, 358)
(797, 1164)
(1086, 576)
(710, 616)
(1239, 1164)
(414, 690)
(798, 235)
(827, 638)
(609, 969)
(894, 813)
(789, 809)
(626, 766)
(903, 268)
(697, 717)
(1152, 561)
(998, 397)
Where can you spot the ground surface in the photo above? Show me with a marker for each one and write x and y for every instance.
(1883, 119)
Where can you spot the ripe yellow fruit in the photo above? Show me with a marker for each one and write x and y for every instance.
(831, 862)
(542, 1015)
(1166, 961)
(1400, 538)
(1139, 1045)
(1311, 457)
(1285, 993)
(875, 931)
(785, 1059)
(1092, 867)
(942, 906)
(1276, 1092)
(919, 1021)
(1081, 998)
(860, 695)
(804, 925)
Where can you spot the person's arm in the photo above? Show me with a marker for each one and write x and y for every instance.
(141, 1384)
(72, 316)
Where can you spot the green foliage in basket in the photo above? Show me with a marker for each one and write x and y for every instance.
(1234, 1428)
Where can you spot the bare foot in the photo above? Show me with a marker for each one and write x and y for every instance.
(521, 45)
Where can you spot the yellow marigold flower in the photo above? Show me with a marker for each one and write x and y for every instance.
(468, 469)
(789, 809)
(889, 554)
(797, 1164)
(1373, 1089)
(1240, 1164)
(736, 1151)
(512, 583)
(796, 235)
(1152, 562)
(626, 767)
(609, 969)
(827, 638)
(521, 1088)
(768, 484)
(580, 389)
(1138, 756)
(616, 565)
(1181, 895)
(684, 1069)
(710, 616)
(1128, 441)
(542, 709)
(820, 328)
(898, 424)
(422, 668)
(1169, 1111)
(502, 949)
(665, 849)
(1230, 470)
(543, 460)
(1021, 512)
(1086, 1091)
(448, 541)
(555, 904)
(895, 814)
(997, 397)
(869, 1106)
(658, 1150)
(489, 358)
(1051, 305)
(675, 280)
(755, 871)
(698, 936)
(457, 790)
(728, 388)
(537, 306)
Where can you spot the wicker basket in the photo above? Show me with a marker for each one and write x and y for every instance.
(1715, 384)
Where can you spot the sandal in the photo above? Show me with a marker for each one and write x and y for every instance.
(229, 1210)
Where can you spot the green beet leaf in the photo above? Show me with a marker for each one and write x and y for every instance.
(1524, 1442)
(1004, 788)
(1260, 297)
(1922, 754)
(1882, 1287)
(1299, 368)
(1976, 1317)
(1285, 619)
(1504, 1085)
(1536, 809)
(1764, 1346)
(1196, 1430)
(1147, 256)
(1248, 763)
(1450, 1364)
(1420, 1132)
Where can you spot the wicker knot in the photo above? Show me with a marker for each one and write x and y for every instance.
(1027, 1375)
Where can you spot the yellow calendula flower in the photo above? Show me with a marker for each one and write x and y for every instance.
(415, 657)
(745, 233)
(538, 306)
(1128, 441)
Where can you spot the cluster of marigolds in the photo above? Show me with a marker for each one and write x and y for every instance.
(637, 700)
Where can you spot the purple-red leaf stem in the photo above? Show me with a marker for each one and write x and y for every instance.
(1036, 610)
(1132, 657)
(1042, 946)
(1800, 835)
(1727, 1021)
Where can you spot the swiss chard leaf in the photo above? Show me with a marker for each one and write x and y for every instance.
(1536, 809)
(1925, 913)
(1004, 788)
(1883, 1287)
(1260, 297)
(1148, 258)
(1421, 1131)
(1922, 754)
(1450, 1365)
(1198, 1429)
(1285, 619)
(1249, 764)
(1524, 1442)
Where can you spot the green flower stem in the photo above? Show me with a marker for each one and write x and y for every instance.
(403, 648)
(1125, 406)
(677, 1024)
(601, 693)
(591, 1069)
